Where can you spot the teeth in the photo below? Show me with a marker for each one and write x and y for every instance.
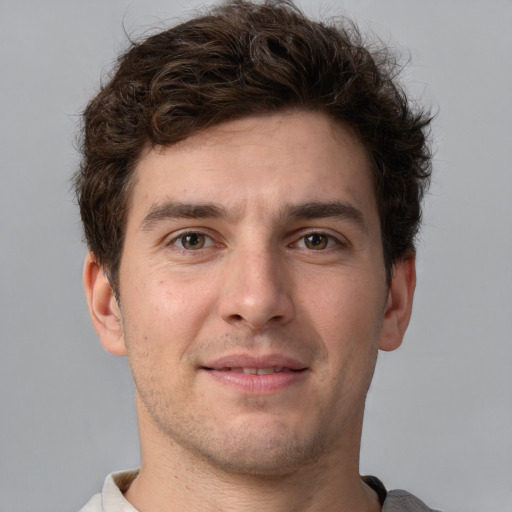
(266, 371)
(256, 371)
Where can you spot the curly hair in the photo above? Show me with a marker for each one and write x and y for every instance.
(240, 59)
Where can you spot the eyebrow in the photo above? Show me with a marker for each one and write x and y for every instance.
(310, 210)
(172, 210)
(322, 210)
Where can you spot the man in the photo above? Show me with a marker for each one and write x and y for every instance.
(250, 192)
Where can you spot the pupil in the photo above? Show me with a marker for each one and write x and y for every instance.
(193, 240)
(316, 241)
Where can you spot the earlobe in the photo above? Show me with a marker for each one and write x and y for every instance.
(103, 308)
(399, 303)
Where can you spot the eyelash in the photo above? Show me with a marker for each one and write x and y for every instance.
(183, 235)
(331, 241)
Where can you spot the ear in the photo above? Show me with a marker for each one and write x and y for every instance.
(399, 303)
(103, 307)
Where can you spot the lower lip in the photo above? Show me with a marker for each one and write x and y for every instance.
(257, 384)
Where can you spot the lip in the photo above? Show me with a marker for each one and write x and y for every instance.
(226, 370)
(249, 361)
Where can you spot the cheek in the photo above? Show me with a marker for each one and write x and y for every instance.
(159, 319)
(347, 317)
(160, 327)
(343, 303)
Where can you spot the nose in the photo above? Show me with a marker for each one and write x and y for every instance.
(256, 292)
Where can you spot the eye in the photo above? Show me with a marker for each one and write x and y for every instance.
(192, 241)
(317, 241)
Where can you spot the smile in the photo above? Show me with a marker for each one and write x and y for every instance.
(257, 378)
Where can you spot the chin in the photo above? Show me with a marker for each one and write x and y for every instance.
(265, 450)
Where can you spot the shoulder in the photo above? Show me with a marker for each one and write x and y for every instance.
(397, 500)
(403, 501)
(93, 505)
(111, 498)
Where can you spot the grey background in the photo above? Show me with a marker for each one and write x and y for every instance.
(439, 417)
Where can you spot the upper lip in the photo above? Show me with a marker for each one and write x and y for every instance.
(250, 361)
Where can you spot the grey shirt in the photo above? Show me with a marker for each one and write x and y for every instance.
(111, 498)
(403, 501)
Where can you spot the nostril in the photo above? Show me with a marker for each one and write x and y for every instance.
(237, 319)
(256, 311)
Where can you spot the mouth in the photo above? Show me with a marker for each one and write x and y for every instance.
(256, 376)
(256, 371)
(255, 365)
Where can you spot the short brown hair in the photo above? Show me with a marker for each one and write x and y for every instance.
(241, 59)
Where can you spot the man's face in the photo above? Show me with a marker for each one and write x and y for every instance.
(253, 292)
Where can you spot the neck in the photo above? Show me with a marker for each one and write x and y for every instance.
(171, 480)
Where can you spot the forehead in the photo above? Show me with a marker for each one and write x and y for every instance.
(258, 162)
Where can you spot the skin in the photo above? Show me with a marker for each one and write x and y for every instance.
(235, 252)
